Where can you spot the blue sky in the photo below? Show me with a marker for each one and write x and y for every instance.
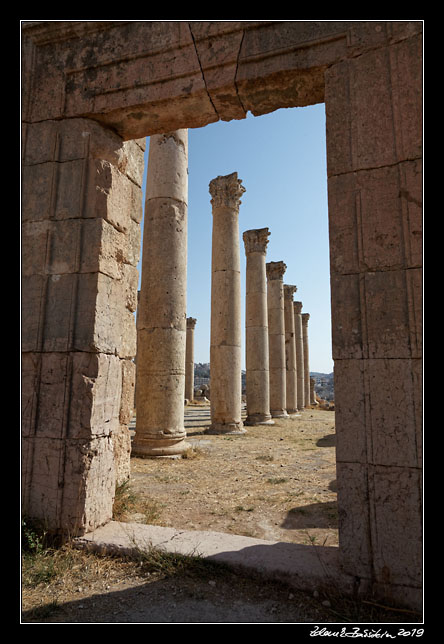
(281, 160)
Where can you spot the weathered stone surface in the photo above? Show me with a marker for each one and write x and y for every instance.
(121, 439)
(299, 346)
(161, 323)
(375, 218)
(276, 338)
(290, 350)
(225, 341)
(189, 359)
(256, 328)
(127, 395)
(86, 468)
(305, 317)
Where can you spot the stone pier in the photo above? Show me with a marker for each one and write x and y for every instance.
(256, 329)
(299, 344)
(161, 319)
(290, 350)
(189, 359)
(276, 338)
(225, 348)
(305, 318)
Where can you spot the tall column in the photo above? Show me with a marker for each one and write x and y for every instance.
(305, 318)
(225, 348)
(276, 338)
(189, 359)
(297, 308)
(290, 350)
(161, 332)
(256, 329)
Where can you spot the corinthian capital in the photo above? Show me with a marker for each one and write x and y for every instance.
(191, 323)
(297, 307)
(305, 318)
(289, 291)
(276, 270)
(256, 240)
(226, 191)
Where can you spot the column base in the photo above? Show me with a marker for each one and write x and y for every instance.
(258, 419)
(159, 448)
(279, 414)
(226, 428)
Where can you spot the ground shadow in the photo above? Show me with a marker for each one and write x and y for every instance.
(316, 515)
(327, 441)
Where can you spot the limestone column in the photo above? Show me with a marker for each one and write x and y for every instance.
(161, 319)
(297, 308)
(305, 318)
(225, 348)
(313, 401)
(189, 359)
(290, 350)
(256, 329)
(276, 338)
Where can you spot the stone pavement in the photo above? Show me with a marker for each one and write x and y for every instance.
(303, 567)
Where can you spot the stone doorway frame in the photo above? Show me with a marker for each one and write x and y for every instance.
(91, 92)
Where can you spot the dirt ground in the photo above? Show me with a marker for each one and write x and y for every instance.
(275, 482)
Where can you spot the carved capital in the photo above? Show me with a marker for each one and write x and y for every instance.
(256, 241)
(297, 307)
(275, 270)
(191, 323)
(226, 191)
(289, 291)
(305, 318)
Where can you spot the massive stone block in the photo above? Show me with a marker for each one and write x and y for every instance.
(374, 187)
(81, 213)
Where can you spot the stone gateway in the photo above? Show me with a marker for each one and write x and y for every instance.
(91, 92)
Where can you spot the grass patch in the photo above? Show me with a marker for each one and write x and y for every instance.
(276, 481)
(192, 453)
(127, 502)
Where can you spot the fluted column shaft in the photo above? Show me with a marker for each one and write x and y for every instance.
(225, 348)
(256, 328)
(161, 333)
(290, 350)
(305, 318)
(189, 359)
(276, 338)
(297, 309)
